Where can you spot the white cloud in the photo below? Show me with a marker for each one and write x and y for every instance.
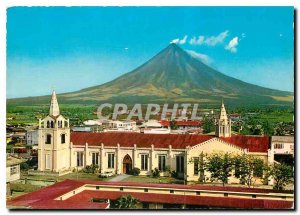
(199, 56)
(197, 41)
(232, 45)
(180, 41)
(214, 40)
(210, 40)
(126, 48)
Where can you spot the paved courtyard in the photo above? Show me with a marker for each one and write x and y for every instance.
(119, 177)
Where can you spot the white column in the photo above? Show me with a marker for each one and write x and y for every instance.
(102, 158)
(118, 159)
(71, 155)
(170, 155)
(271, 161)
(134, 156)
(86, 155)
(152, 158)
(187, 166)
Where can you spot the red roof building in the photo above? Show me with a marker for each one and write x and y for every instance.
(177, 141)
(79, 194)
(187, 123)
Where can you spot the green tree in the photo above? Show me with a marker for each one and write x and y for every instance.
(282, 175)
(267, 128)
(208, 125)
(247, 168)
(220, 166)
(125, 202)
(173, 125)
(279, 129)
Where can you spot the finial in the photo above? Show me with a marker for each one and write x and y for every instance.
(53, 88)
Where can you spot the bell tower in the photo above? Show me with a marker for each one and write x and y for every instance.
(223, 128)
(54, 140)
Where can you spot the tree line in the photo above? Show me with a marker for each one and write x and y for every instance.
(246, 168)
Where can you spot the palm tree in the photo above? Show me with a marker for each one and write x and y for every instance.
(127, 202)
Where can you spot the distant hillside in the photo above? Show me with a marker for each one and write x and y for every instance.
(171, 76)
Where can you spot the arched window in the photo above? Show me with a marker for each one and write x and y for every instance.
(48, 124)
(52, 124)
(66, 124)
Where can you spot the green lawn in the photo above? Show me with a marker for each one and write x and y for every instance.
(275, 117)
(18, 189)
(147, 179)
(73, 175)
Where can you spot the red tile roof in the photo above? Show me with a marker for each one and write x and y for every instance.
(253, 143)
(44, 198)
(188, 123)
(178, 141)
(128, 139)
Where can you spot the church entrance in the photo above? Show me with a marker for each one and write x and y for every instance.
(127, 164)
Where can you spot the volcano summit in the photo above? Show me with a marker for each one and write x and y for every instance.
(172, 76)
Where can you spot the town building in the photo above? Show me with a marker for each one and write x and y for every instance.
(183, 125)
(122, 126)
(282, 149)
(154, 127)
(61, 151)
(32, 137)
(13, 168)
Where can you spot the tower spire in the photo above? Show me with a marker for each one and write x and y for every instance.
(223, 114)
(54, 108)
(223, 128)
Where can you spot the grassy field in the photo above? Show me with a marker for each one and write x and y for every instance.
(73, 175)
(29, 115)
(77, 113)
(18, 189)
(274, 117)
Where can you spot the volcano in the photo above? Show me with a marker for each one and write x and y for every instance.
(172, 76)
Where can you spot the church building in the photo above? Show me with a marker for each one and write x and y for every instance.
(61, 151)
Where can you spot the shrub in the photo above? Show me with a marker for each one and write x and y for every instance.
(90, 169)
(135, 171)
(167, 169)
(24, 166)
(155, 173)
(174, 174)
(125, 201)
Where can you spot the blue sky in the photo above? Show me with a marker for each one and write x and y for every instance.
(70, 48)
